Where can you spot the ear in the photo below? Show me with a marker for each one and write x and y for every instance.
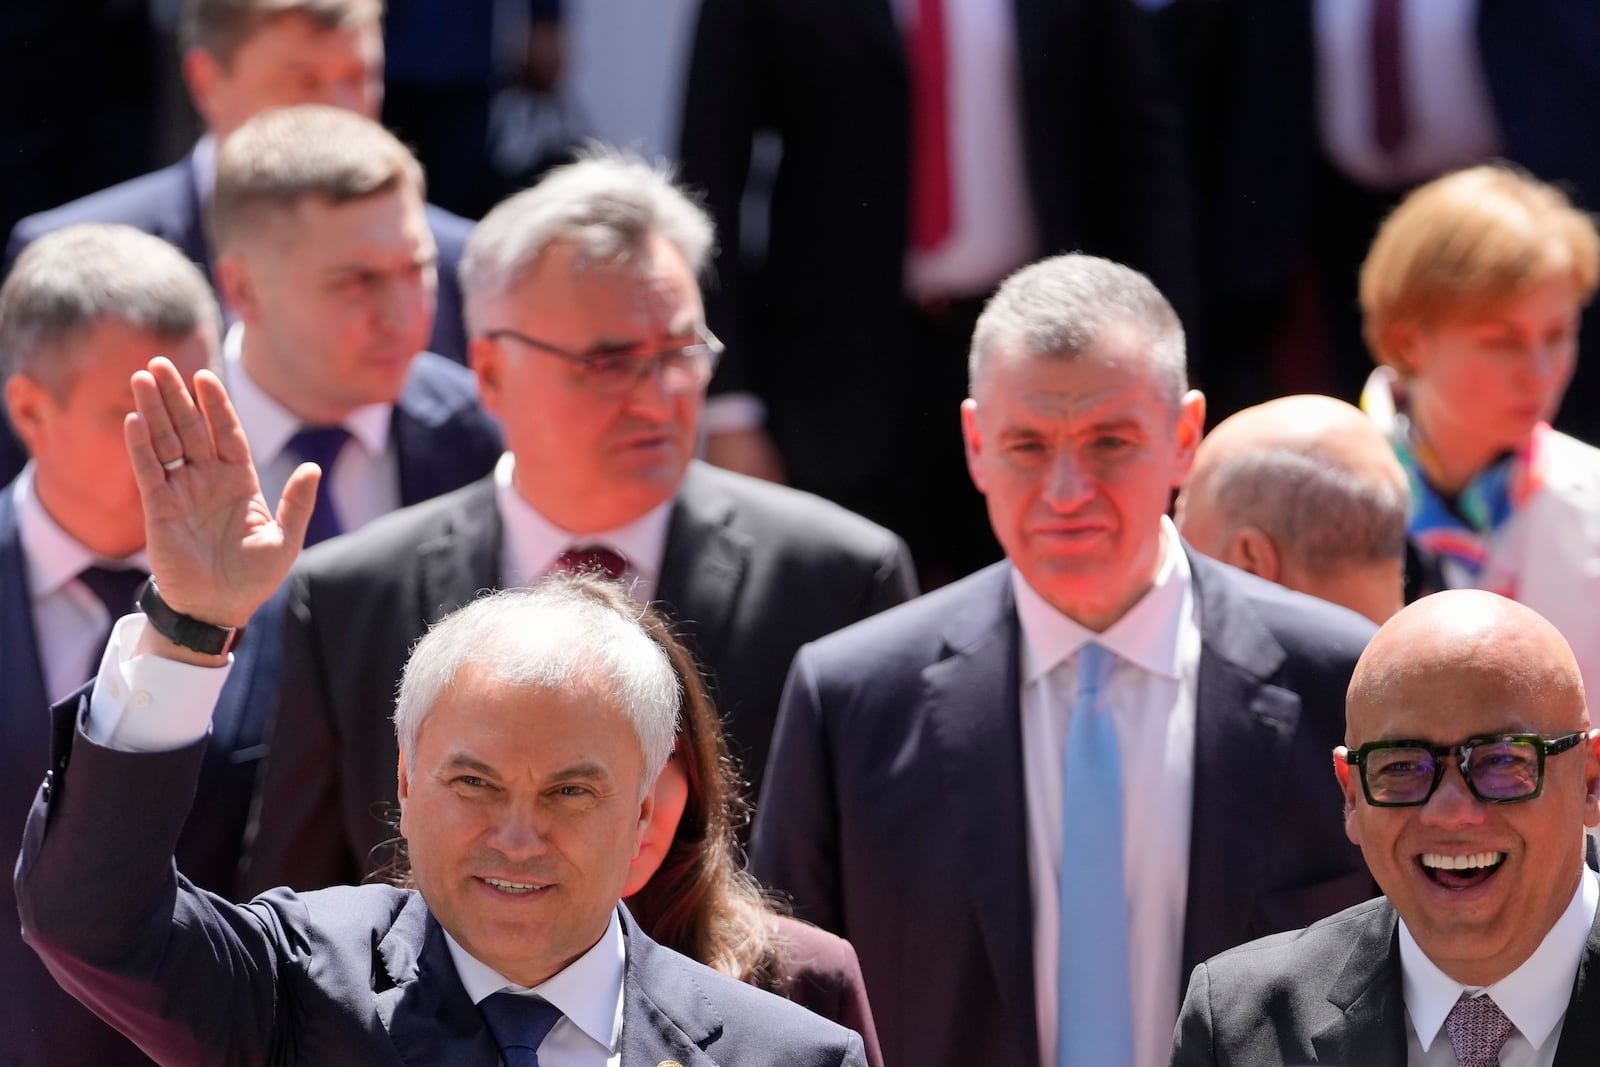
(1404, 342)
(403, 788)
(1191, 426)
(239, 287)
(201, 72)
(974, 441)
(487, 360)
(1591, 780)
(1250, 549)
(1347, 783)
(28, 406)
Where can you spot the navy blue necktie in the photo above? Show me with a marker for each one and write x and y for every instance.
(1095, 1024)
(519, 1025)
(321, 445)
(116, 587)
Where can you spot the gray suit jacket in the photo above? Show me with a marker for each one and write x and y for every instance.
(1332, 994)
(352, 975)
(751, 572)
(894, 812)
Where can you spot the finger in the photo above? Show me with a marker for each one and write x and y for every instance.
(193, 434)
(222, 420)
(298, 500)
(152, 411)
(147, 472)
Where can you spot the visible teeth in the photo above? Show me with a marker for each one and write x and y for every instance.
(1462, 863)
(511, 887)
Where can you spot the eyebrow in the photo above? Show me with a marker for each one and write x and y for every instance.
(583, 770)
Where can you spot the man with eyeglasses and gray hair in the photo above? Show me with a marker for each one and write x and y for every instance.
(589, 342)
(1469, 773)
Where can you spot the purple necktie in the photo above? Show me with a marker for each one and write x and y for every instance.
(321, 445)
(1477, 1029)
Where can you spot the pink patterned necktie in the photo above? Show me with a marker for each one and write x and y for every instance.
(1477, 1029)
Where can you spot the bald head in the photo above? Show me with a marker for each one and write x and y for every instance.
(1466, 639)
(1306, 492)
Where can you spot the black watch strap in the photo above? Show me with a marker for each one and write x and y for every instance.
(186, 630)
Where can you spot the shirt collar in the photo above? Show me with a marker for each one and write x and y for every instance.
(1146, 635)
(1534, 996)
(204, 159)
(587, 991)
(54, 557)
(534, 541)
(268, 425)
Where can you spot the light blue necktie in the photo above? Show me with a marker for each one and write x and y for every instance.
(1095, 1024)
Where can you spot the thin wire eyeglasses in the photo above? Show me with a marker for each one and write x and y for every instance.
(681, 370)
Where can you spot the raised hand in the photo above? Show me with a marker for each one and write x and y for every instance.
(215, 550)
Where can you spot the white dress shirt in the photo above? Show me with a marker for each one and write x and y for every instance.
(532, 542)
(366, 477)
(1449, 116)
(145, 703)
(992, 226)
(1534, 996)
(68, 619)
(588, 992)
(1151, 696)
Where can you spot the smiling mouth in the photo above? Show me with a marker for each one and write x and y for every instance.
(1460, 872)
(514, 888)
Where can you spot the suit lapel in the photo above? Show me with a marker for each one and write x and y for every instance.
(464, 556)
(425, 1007)
(1580, 1027)
(1369, 1027)
(25, 725)
(703, 565)
(1243, 730)
(191, 236)
(666, 1016)
(972, 701)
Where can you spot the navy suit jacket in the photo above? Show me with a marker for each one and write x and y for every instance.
(894, 812)
(39, 1024)
(751, 571)
(357, 975)
(1333, 994)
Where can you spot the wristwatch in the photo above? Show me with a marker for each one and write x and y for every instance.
(186, 630)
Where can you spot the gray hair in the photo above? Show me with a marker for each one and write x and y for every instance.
(1062, 305)
(608, 204)
(283, 155)
(67, 282)
(221, 26)
(1316, 510)
(562, 631)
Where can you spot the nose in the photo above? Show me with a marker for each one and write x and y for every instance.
(1067, 484)
(1452, 804)
(516, 834)
(649, 395)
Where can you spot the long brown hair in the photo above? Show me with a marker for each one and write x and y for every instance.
(701, 901)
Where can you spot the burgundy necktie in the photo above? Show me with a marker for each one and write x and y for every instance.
(592, 559)
(927, 65)
(1478, 1029)
(1389, 119)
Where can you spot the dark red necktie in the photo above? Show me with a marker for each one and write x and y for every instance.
(1389, 118)
(592, 559)
(931, 210)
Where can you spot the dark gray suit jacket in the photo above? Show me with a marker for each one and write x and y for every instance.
(1332, 994)
(751, 572)
(894, 811)
(352, 975)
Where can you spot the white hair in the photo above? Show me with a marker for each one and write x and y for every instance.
(565, 630)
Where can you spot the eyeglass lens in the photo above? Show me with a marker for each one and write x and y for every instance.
(1499, 770)
(682, 369)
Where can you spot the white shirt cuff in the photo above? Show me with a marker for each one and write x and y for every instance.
(144, 703)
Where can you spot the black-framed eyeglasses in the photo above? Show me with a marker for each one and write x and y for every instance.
(1498, 768)
(681, 370)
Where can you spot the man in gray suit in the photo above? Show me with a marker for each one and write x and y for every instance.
(922, 798)
(589, 343)
(532, 726)
(1469, 773)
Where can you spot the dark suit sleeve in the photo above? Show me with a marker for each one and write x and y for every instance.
(894, 582)
(302, 838)
(825, 977)
(187, 976)
(1192, 1042)
(795, 843)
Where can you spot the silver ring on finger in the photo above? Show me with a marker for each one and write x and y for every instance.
(173, 464)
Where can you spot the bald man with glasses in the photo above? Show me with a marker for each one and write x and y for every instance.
(1470, 773)
(589, 344)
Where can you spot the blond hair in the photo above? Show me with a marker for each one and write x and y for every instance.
(1477, 236)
